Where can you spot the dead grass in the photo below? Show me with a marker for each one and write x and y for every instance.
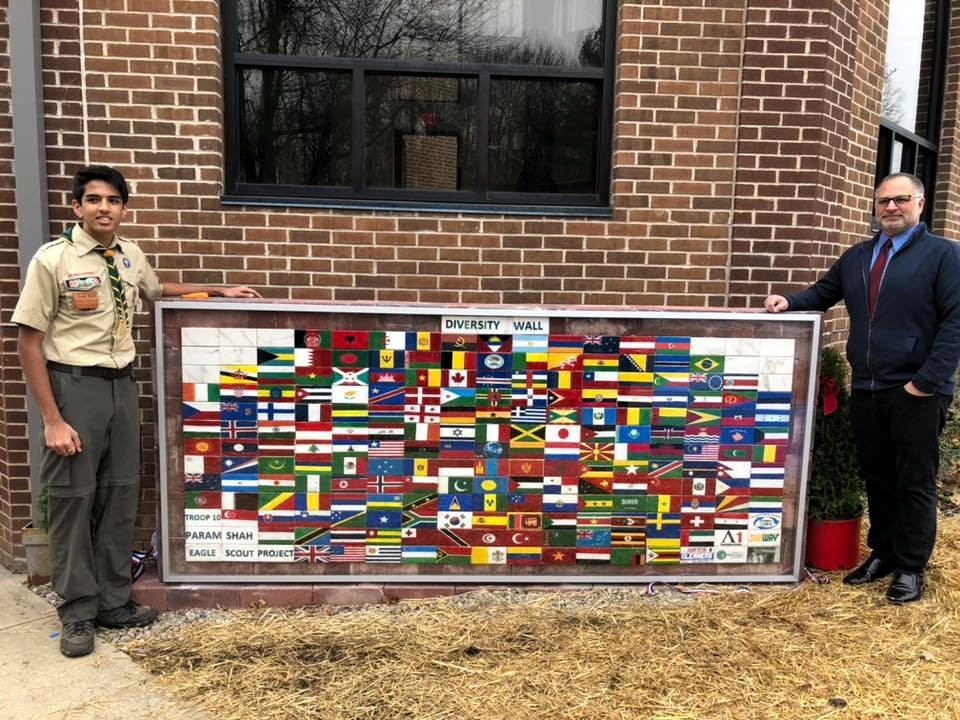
(815, 651)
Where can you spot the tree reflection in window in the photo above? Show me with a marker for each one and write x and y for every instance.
(543, 136)
(295, 127)
(438, 30)
(452, 100)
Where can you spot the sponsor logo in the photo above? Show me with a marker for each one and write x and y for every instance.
(697, 554)
(765, 522)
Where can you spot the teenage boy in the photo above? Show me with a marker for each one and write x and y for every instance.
(76, 348)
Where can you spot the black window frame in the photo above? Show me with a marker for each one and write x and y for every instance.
(921, 153)
(359, 197)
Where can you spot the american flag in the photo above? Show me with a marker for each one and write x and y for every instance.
(347, 553)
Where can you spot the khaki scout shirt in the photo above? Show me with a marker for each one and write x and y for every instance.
(58, 274)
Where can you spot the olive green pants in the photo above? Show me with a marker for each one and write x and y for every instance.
(93, 495)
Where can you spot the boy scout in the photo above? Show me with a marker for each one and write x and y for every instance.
(75, 344)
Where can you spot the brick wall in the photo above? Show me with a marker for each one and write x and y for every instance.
(811, 91)
(947, 197)
(674, 152)
(743, 131)
(430, 162)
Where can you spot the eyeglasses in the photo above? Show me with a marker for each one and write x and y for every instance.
(900, 200)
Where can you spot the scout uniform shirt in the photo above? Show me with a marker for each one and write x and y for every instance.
(67, 295)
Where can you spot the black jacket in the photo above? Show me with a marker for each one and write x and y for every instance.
(915, 332)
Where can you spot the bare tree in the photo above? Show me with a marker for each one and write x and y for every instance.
(892, 103)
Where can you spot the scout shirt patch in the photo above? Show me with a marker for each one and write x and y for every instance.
(81, 288)
(82, 283)
(86, 300)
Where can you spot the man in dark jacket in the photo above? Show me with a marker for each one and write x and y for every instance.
(902, 293)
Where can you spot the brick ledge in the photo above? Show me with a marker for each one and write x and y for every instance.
(148, 590)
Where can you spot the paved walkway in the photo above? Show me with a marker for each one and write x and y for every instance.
(38, 683)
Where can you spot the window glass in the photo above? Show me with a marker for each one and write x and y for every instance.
(488, 102)
(542, 32)
(543, 136)
(294, 127)
(907, 67)
(421, 132)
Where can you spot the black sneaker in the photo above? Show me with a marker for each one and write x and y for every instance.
(126, 616)
(76, 638)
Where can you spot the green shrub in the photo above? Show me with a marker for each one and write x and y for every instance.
(41, 522)
(949, 475)
(950, 450)
(835, 490)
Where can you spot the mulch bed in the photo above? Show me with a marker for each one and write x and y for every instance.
(815, 650)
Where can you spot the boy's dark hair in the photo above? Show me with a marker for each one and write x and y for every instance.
(99, 172)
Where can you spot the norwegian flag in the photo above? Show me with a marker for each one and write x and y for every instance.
(385, 484)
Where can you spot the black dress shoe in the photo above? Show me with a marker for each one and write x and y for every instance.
(906, 587)
(872, 569)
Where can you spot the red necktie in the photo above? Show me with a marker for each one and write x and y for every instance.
(876, 272)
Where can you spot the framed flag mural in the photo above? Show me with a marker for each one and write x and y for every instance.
(357, 443)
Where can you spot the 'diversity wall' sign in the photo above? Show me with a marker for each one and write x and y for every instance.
(496, 443)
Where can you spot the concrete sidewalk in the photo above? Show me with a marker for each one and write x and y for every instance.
(38, 683)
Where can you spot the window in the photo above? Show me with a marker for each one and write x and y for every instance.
(443, 103)
(912, 101)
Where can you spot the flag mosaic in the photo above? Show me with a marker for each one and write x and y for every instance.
(339, 446)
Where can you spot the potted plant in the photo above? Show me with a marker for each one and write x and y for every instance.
(835, 490)
(34, 539)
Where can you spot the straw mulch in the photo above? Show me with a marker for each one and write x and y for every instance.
(812, 651)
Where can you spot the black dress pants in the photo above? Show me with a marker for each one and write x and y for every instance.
(897, 438)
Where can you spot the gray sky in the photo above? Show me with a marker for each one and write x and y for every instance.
(905, 34)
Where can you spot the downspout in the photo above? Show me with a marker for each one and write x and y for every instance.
(30, 161)
(736, 152)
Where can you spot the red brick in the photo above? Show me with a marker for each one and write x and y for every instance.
(182, 597)
(276, 595)
(416, 592)
(348, 594)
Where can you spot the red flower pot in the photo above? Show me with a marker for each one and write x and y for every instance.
(833, 544)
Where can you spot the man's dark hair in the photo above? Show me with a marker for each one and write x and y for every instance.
(99, 172)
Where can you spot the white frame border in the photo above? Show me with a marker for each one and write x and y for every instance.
(599, 312)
